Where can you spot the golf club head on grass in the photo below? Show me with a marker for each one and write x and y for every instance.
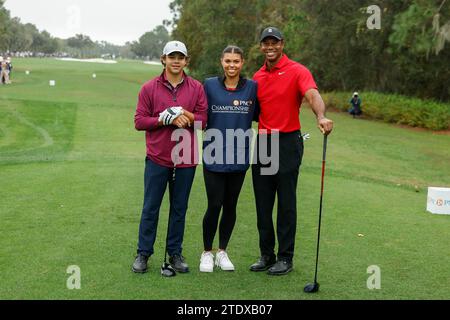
(311, 287)
(167, 270)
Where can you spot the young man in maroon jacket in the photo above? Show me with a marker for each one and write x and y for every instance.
(171, 101)
(282, 85)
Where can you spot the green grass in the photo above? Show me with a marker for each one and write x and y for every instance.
(71, 188)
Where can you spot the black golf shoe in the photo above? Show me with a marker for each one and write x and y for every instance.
(264, 263)
(280, 268)
(140, 264)
(177, 262)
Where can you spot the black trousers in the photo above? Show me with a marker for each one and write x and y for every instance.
(223, 191)
(283, 184)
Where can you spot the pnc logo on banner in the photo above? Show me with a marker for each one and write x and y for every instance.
(438, 200)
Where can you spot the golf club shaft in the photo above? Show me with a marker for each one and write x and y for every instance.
(167, 238)
(325, 138)
(171, 187)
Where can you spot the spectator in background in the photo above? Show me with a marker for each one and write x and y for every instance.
(10, 67)
(4, 74)
(4, 71)
(355, 103)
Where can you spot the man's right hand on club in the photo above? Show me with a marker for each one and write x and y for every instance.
(325, 125)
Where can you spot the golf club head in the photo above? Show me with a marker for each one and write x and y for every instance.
(311, 287)
(167, 270)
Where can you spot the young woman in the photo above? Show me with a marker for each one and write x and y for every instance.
(231, 108)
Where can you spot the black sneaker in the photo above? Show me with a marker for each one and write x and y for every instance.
(280, 268)
(177, 262)
(140, 264)
(264, 263)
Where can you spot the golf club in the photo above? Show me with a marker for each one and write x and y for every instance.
(314, 287)
(166, 268)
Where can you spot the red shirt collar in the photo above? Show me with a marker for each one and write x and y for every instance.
(283, 61)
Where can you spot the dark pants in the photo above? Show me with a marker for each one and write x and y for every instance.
(223, 192)
(156, 180)
(284, 185)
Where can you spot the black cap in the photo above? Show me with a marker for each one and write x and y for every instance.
(271, 32)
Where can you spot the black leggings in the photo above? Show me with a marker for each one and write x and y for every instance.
(222, 190)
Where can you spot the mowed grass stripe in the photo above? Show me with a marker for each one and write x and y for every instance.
(35, 130)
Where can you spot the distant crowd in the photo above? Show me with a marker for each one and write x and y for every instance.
(5, 70)
(30, 54)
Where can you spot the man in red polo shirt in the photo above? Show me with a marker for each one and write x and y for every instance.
(282, 85)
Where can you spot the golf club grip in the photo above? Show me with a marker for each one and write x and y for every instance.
(325, 140)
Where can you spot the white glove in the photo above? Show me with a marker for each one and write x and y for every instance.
(170, 114)
(306, 136)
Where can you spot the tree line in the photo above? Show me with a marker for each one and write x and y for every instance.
(16, 36)
(409, 54)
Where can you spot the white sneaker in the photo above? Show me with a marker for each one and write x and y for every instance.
(223, 262)
(207, 262)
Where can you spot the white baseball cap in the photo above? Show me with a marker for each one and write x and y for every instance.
(175, 46)
(355, 93)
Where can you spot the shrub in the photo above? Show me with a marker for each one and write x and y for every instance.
(393, 108)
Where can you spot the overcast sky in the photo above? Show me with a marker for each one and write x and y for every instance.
(112, 21)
